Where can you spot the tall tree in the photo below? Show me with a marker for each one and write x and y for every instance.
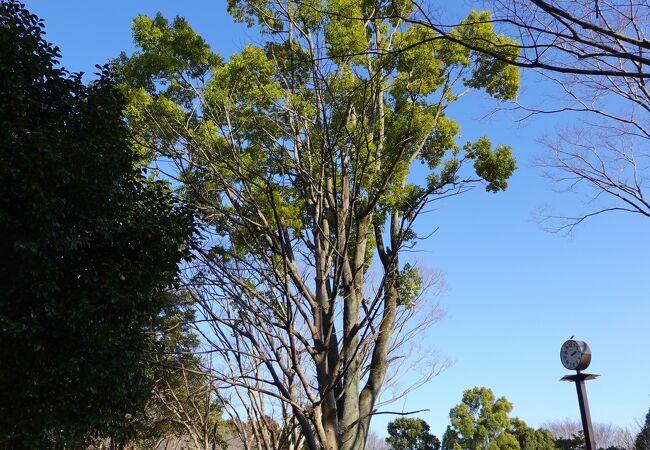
(407, 433)
(88, 243)
(480, 422)
(298, 155)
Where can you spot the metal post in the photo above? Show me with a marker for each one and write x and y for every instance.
(579, 380)
(585, 415)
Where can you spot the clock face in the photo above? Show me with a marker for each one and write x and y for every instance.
(575, 355)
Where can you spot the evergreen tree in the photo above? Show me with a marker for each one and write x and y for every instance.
(411, 434)
(88, 245)
(480, 422)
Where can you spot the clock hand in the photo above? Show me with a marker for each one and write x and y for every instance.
(574, 352)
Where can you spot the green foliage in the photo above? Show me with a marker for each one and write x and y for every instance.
(494, 75)
(173, 54)
(480, 422)
(247, 96)
(345, 31)
(88, 244)
(531, 439)
(494, 166)
(411, 434)
(171, 50)
(409, 284)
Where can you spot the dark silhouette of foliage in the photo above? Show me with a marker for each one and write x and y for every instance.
(88, 244)
(642, 441)
(575, 442)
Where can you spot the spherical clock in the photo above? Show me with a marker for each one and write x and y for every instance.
(575, 355)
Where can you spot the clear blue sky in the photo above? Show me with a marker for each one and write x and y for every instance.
(515, 291)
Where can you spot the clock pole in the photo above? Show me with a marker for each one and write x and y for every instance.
(576, 355)
(579, 379)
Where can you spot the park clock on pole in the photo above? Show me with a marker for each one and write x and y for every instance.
(575, 355)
